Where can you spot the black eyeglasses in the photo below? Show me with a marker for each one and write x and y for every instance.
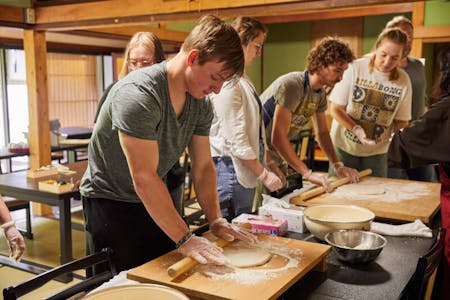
(139, 63)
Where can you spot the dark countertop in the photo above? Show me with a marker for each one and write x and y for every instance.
(74, 132)
(384, 279)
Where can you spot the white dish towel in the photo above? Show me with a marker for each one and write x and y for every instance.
(416, 228)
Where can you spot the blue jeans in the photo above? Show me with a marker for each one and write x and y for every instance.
(378, 163)
(229, 188)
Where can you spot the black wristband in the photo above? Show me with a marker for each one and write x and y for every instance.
(184, 239)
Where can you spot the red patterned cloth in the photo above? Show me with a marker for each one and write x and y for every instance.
(445, 212)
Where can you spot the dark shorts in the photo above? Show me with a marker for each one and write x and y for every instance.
(127, 228)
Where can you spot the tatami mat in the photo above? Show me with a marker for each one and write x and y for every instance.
(43, 249)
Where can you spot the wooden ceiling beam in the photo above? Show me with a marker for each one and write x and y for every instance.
(338, 13)
(161, 33)
(432, 31)
(115, 13)
(12, 16)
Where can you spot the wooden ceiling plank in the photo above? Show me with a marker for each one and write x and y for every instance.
(121, 12)
(124, 8)
(162, 34)
(339, 13)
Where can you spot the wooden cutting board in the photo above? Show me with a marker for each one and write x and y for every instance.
(402, 200)
(264, 282)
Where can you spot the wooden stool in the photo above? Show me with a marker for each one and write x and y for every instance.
(16, 204)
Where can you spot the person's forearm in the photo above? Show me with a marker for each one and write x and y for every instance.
(339, 113)
(5, 216)
(154, 195)
(325, 143)
(254, 165)
(205, 185)
(286, 151)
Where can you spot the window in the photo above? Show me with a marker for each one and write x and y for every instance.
(73, 93)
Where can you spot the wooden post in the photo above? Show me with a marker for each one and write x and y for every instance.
(39, 128)
(418, 16)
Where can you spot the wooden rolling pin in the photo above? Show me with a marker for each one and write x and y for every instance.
(188, 263)
(320, 190)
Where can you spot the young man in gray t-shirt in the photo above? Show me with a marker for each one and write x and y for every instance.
(148, 119)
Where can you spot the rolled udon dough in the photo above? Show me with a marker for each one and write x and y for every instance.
(362, 189)
(244, 257)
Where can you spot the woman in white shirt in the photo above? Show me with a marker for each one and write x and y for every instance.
(372, 101)
(237, 133)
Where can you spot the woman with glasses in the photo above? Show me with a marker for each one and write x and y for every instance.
(144, 49)
(237, 134)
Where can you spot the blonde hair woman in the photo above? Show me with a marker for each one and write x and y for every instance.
(372, 101)
(144, 49)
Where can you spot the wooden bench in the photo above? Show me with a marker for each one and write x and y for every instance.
(16, 204)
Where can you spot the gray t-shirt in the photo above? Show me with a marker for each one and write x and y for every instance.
(416, 73)
(294, 92)
(139, 105)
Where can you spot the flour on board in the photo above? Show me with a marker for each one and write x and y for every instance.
(393, 191)
(249, 276)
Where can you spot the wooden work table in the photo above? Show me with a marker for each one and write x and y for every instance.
(383, 279)
(402, 201)
(17, 185)
(70, 146)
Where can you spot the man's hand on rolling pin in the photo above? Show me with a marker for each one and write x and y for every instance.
(203, 251)
(228, 232)
(343, 171)
(318, 179)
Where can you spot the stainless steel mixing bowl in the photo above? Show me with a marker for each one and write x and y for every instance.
(356, 246)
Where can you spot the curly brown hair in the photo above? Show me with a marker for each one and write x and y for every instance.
(329, 51)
